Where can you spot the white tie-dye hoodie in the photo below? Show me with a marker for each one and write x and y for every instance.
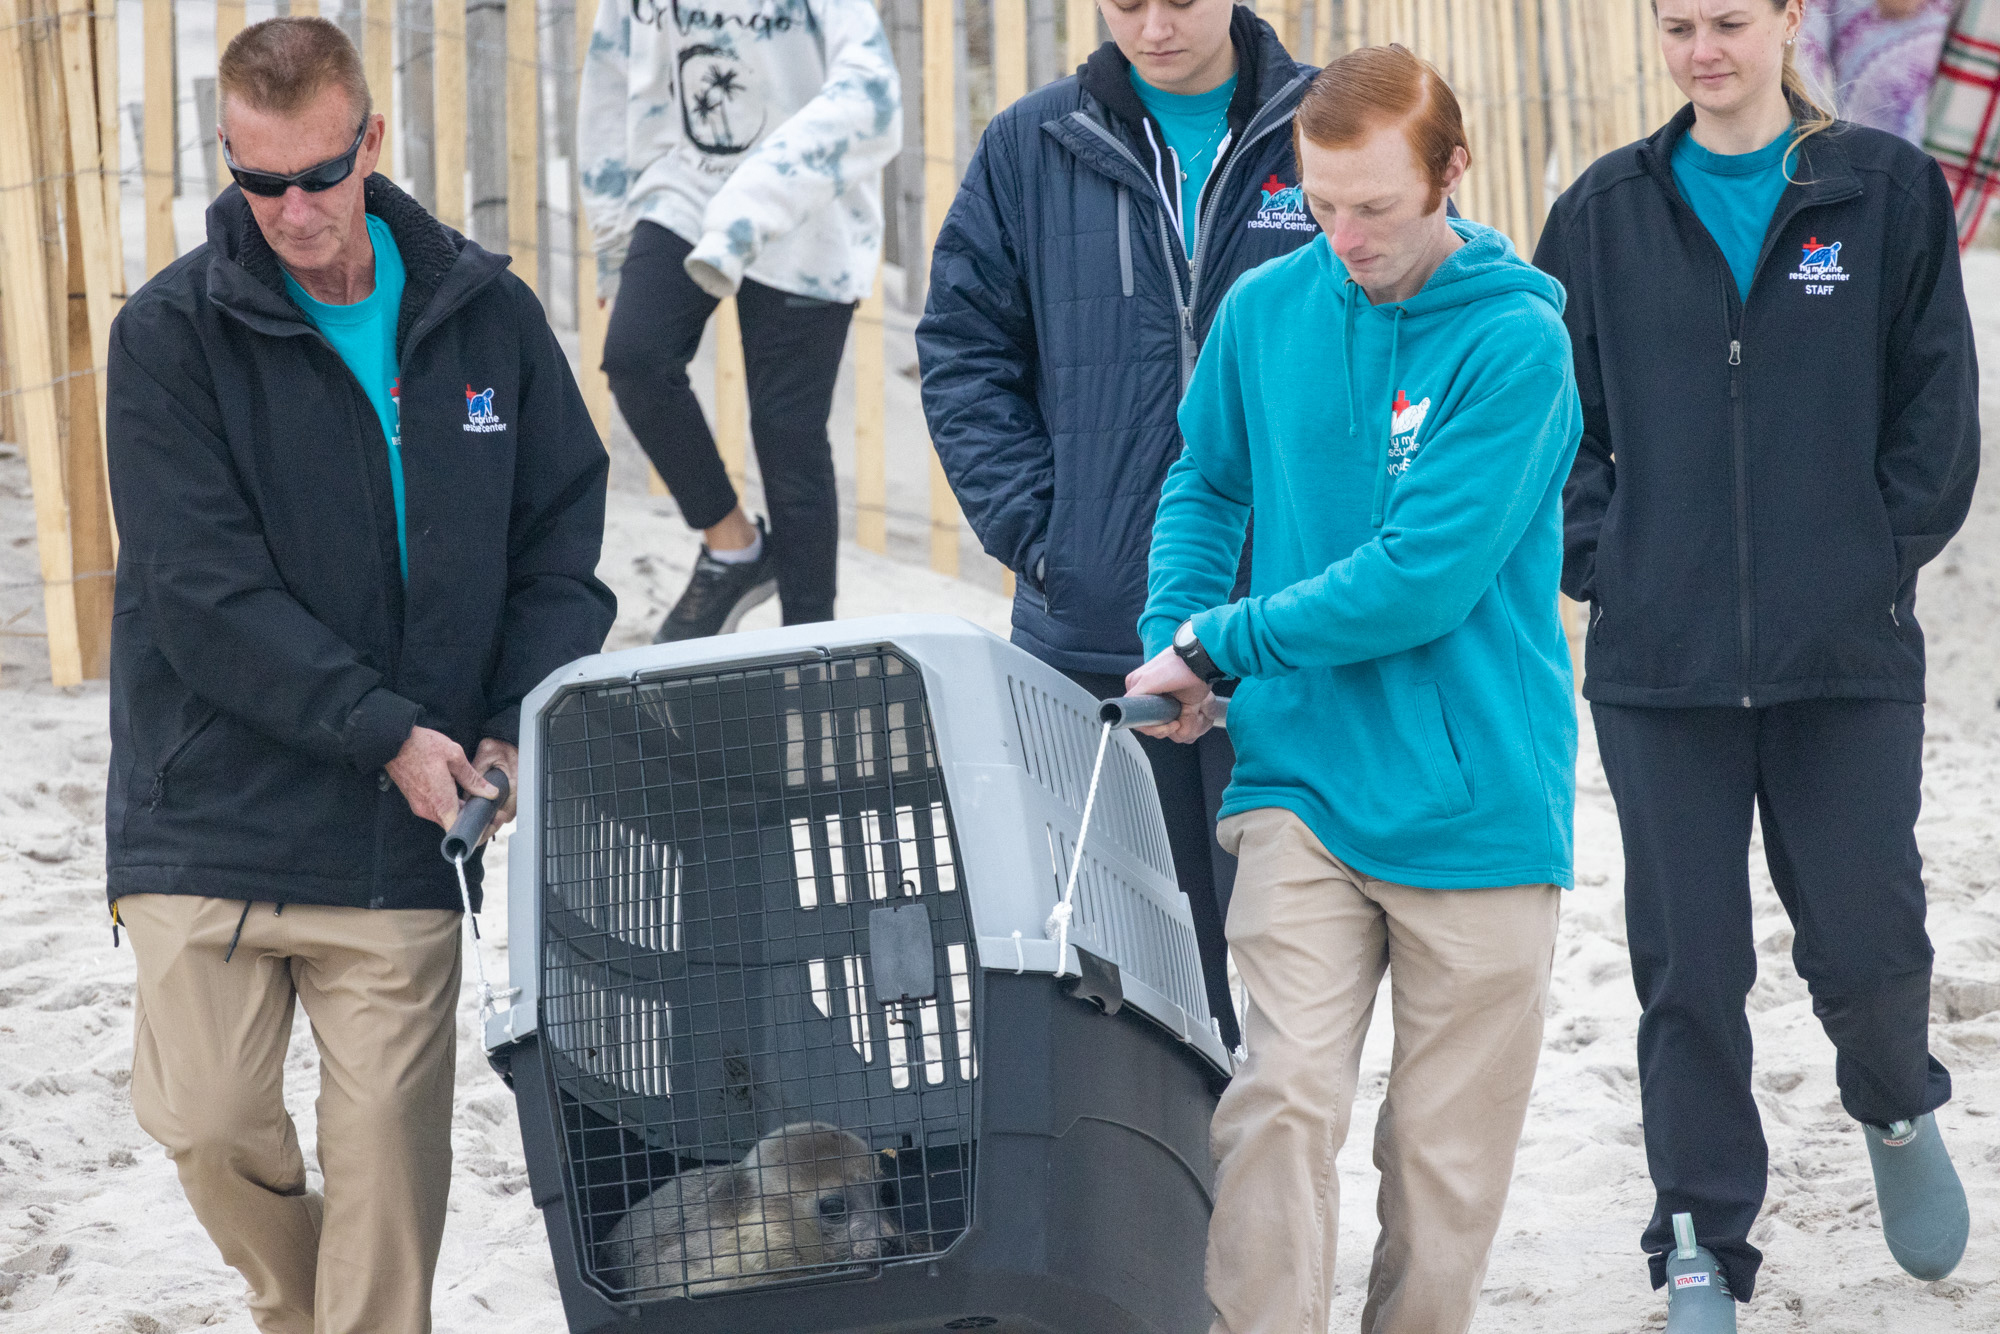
(755, 130)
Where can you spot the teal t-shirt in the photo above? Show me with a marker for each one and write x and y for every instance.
(1194, 126)
(364, 334)
(1734, 195)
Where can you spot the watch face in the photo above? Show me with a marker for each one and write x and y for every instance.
(1184, 637)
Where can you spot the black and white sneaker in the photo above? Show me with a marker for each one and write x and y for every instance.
(719, 594)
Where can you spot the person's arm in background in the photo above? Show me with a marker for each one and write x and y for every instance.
(1929, 456)
(603, 145)
(848, 131)
(1587, 495)
(976, 344)
(1451, 522)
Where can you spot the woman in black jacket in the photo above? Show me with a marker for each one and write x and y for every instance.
(1781, 427)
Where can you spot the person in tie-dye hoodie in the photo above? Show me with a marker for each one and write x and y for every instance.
(735, 148)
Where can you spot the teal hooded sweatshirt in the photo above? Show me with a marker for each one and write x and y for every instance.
(1406, 686)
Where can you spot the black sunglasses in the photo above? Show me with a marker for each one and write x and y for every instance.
(312, 180)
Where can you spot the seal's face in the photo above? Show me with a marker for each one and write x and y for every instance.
(828, 1185)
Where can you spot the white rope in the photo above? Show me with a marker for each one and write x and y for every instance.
(1057, 927)
(489, 999)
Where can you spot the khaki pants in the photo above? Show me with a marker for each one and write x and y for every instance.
(1469, 973)
(208, 1061)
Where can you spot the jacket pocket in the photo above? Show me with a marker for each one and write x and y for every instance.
(1448, 777)
(175, 755)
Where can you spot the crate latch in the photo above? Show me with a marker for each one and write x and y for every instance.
(901, 953)
(1097, 982)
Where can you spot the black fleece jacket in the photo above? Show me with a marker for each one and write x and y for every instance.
(267, 658)
(1760, 481)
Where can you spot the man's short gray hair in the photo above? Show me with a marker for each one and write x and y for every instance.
(282, 64)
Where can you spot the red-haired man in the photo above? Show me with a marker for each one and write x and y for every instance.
(1396, 400)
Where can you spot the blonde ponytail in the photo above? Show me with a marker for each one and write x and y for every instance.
(1809, 114)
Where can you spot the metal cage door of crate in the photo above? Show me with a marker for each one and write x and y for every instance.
(753, 922)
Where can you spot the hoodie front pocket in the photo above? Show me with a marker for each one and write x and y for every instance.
(1448, 778)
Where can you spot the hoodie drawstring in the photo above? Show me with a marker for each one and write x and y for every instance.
(1388, 436)
(1347, 350)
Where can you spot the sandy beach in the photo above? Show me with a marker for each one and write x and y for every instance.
(95, 1236)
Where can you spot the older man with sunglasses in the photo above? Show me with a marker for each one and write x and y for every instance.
(360, 504)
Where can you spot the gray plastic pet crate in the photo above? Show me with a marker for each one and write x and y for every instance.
(787, 1043)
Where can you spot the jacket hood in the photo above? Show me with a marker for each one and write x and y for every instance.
(1263, 70)
(1485, 266)
(431, 252)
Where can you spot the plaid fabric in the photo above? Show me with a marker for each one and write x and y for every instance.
(1964, 129)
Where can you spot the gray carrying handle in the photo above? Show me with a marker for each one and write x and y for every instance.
(473, 817)
(1150, 711)
(1138, 711)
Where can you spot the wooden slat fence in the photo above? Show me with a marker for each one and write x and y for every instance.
(91, 155)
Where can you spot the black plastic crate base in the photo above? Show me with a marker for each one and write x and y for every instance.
(1090, 1209)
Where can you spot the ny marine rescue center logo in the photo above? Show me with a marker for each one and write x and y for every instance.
(1406, 421)
(1820, 268)
(1283, 209)
(480, 417)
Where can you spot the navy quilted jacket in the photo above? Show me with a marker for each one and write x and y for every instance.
(1063, 323)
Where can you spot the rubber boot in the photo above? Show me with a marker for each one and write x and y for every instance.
(1698, 1300)
(1924, 1215)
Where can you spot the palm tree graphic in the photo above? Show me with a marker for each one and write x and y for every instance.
(719, 88)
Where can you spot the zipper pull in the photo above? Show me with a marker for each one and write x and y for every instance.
(1736, 352)
(1187, 320)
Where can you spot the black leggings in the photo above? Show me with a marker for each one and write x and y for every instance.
(791, 356)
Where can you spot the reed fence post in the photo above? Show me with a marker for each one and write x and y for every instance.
(95, 265)
(157, 153)
(524, 106)
(448, 120)
(92, 536)
(378, 61)
(940, 184)
(1080, 20)
(228, 22)
(871, 471)
(1507, 50)
(1536, 110)
(1010, 52)
(591, 318)
(104, 35)
(25, 296)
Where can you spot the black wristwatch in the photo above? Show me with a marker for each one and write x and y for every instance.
(1196, 657)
